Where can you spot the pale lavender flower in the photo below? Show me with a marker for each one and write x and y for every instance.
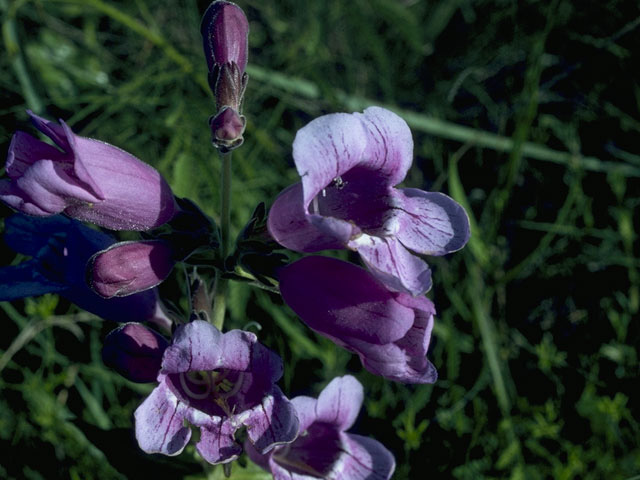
(84, 178)
(217, 382)
(349, 165)
(324, 450)
(390, 331)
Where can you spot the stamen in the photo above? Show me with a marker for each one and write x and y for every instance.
(236, 387)
(314, 204)
(191, 393)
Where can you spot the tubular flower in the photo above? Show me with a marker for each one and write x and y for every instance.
(84, 178)
(60, 248)
(349, 165)
(217, 382)
(323, 450)
(390, 331)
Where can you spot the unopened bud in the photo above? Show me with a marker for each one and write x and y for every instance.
(135, 352)
(227, 128)
(225, 32)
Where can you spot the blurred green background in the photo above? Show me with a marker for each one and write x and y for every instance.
(526, 112)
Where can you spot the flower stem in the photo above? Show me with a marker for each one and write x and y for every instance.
(221, 286)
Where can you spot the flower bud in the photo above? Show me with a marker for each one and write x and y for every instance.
(135, 352)
(129, 267)
(227, 128)
(225, 32)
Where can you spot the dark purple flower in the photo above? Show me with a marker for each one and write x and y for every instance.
(129, 267)
(390, 331)
(135, 352)
(323, 450)
(84, 178)
(349, 165)
(60, 248)
(218, 383)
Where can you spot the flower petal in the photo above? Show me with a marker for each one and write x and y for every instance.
(389, 143)
(216, 444)
(339, 402)
(272, 422)
(326, 148)
(20, 281)
(198, 345)
(431, 223)
(159, 423)
(393, 264)
(25, 150)
(365, 459)
(306, 410)
(289, 225)
(339, 299)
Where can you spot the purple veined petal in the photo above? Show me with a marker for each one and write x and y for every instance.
(431, 223)
(339, 402)
(159, 427)
(340, 299)
(198, 345)
(306, 410)
(389, 143)
(24, 150)
(225, 32)
(135, 352)
(217, 443)
(367, 459)
(416, 341)
(393, 264)
(272, 422)
(337, 228)
(289, 226)
(126, 268)
(325, 149)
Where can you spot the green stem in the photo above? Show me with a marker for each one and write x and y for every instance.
(221, 287)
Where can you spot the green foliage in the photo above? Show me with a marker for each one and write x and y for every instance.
(525, 112)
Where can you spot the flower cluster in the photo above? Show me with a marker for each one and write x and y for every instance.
(218, 382)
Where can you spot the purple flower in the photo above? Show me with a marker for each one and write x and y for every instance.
(218, 383)
(60, 248)
(390, 331)
(323, 450)
(225, 32)
(126, 268)
(87, 179)
(349, 165)
(135, 352)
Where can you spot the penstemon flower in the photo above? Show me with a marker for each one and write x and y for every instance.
(84, 178)
(217, 382)
(324, 450)
(349, 165)
(390, 331)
